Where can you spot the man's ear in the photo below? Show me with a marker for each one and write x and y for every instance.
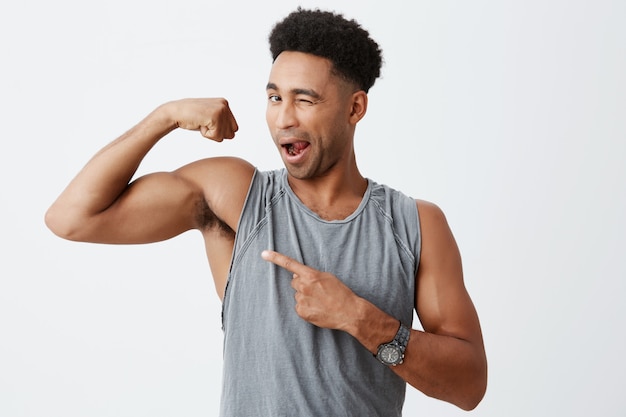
(359, 106)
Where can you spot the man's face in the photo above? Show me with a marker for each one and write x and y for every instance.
(308, 114)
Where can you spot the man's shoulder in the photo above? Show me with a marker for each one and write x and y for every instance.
(393, 196)
(222, 184)
(269, 181)
(428, 208)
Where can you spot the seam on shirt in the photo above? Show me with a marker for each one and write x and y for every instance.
(246, 244)
(388, 218)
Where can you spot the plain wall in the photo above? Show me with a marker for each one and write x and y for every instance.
(507, 114)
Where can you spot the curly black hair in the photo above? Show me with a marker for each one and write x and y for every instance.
(355, 56)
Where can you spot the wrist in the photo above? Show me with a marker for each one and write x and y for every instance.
(164, 116)
(392, 353)
(372, 326)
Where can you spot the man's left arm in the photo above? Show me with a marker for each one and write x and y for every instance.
(445, 361)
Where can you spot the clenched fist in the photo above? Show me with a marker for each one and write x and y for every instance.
(211, 116)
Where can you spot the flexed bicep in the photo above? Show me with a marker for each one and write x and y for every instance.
(99, 204)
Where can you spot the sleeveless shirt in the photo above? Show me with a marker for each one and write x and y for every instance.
(277, 364)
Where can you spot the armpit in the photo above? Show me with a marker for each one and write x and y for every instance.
(208, 221)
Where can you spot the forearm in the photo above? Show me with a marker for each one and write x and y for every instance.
(446, 368)
(107, 174)
(442, 367)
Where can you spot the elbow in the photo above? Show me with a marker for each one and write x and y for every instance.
(475, 391)
(60, 223)
(470, 402)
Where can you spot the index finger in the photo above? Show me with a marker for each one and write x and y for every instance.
(284, 261)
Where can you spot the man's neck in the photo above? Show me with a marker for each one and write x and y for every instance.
(334, 196)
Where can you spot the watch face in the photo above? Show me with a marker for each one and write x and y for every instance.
(390, 354)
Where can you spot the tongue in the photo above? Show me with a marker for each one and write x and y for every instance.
(299, 146)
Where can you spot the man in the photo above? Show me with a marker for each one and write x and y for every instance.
(318, 268)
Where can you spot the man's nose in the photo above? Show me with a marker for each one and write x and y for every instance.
(286, 116)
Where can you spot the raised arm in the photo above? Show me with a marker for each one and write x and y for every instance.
(100, 205)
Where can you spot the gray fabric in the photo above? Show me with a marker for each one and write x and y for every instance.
(275, 363)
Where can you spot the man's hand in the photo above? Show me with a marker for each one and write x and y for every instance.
(321, 298)
(211, 116)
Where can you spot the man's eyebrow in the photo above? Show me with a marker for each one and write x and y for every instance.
(296, 91)
(307, 92)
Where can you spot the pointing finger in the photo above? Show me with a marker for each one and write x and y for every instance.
(284, 261)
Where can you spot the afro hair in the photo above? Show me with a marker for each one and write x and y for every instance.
(355, 56)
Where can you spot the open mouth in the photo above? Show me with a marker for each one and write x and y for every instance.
(296, 148)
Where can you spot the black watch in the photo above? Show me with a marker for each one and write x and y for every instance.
(392, 353)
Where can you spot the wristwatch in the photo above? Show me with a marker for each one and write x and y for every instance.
(392, 353)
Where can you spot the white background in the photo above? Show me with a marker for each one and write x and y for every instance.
(508, 114)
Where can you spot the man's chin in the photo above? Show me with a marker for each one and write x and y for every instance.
(298, 172)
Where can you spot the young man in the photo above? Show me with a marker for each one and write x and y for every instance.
(319, 269)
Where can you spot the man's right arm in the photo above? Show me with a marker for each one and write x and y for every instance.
(101, 205)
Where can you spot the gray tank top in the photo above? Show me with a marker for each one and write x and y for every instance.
(277, 364)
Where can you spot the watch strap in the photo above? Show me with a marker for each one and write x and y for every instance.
(399, 343)
(402, 337)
